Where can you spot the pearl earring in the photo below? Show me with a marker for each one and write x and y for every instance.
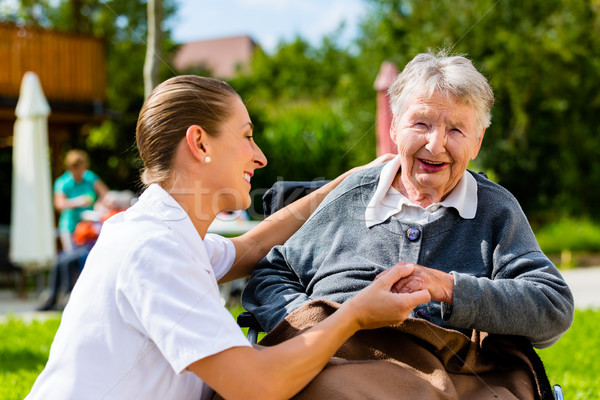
(207, 159)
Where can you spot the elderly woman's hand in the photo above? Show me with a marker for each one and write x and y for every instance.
(439, 284)
(379, 305)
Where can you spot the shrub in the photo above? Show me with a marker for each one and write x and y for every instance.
(572, 235)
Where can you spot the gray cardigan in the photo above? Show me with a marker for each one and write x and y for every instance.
(503, 282)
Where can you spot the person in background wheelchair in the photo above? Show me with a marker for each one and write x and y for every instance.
(145, 318)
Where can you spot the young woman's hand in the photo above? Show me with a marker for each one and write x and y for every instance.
(378, 161)
(378, 305)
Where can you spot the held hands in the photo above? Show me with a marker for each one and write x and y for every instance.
(439, 284)
(378, 305)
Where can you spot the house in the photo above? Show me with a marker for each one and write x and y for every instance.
(222, 57)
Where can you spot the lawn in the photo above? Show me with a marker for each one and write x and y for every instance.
(572, 362)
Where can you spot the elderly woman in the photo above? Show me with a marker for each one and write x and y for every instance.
(467, 237)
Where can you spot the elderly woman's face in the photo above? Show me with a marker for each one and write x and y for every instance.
(436, 138)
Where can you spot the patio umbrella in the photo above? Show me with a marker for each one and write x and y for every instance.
(32, 237)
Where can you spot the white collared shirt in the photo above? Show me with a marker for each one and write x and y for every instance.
(145, 307)
(387, 201)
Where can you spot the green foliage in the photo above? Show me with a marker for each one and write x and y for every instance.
(573, 361)
(313, 110)
(306, 141)
(23, 354)
(572, 235)
(542, 59)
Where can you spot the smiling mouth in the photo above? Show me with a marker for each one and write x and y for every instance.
(432, 163)
(247, 177)
(432, 167)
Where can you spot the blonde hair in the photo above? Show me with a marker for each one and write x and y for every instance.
(172, 107)
(452, 76)
(75, 158)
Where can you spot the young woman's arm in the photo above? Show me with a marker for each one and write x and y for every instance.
(281, 371)
(252, 246)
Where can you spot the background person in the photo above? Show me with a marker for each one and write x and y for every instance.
(146, 309)
(74, 192)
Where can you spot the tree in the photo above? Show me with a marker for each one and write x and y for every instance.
(154, 46)
(313, 109)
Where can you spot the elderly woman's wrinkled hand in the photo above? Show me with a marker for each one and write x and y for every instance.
(439, 284)
(379, 305)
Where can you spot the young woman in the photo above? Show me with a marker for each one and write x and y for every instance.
(145, 318)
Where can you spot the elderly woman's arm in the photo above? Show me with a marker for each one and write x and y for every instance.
(528, 298)
(523, 293)
(536, 303)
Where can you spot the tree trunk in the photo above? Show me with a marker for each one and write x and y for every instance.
(153, 47)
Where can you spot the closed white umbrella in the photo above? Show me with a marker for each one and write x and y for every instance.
(32, 237)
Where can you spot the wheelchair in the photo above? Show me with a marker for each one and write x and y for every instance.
(283, 193)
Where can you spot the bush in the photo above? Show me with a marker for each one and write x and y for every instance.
(569, 235)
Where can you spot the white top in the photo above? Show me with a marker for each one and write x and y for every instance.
(146, 306)
(387, 201)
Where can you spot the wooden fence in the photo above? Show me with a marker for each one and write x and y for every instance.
(71, 68)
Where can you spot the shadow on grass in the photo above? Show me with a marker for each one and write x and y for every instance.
(13, 360)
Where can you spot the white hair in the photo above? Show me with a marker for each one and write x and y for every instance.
(454, 77)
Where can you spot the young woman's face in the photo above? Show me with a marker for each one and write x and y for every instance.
(235, 157)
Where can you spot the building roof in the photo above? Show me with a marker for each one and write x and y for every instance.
(220, 56)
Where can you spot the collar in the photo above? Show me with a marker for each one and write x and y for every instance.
(387, 201)
(164, 207)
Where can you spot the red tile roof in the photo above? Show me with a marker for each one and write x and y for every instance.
(221, 56)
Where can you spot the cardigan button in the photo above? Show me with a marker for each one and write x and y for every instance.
(413, 234)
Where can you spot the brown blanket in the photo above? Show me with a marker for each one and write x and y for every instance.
(417, 360)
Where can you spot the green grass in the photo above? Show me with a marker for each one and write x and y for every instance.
(24, 350)
(572, 362)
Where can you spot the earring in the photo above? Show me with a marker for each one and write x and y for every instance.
(207, 159)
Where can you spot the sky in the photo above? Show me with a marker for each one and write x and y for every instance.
(265, 21)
